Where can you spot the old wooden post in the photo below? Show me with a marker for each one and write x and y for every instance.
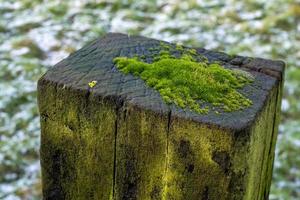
(117, 138)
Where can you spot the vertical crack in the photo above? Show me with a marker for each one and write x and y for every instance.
(119, 107)
(115, 155)
(168, 129)
(167, 154)
(275, 114)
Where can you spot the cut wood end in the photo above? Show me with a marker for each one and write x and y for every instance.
(94, 62)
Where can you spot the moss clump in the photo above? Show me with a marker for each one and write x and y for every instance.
(188, 83)
(179, 47)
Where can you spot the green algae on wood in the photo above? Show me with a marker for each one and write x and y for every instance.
(119, 140)
(77, 144)
(188, 83)
(141, 151)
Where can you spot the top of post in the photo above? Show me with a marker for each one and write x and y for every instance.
(94, 62)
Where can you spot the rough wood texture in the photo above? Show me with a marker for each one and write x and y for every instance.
(119, 140)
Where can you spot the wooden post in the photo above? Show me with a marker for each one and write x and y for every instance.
(119, 140)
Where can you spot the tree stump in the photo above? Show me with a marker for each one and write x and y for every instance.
(120, 140)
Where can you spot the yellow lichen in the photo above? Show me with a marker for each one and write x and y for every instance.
(92, 84)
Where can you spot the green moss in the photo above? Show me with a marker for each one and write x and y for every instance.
(165, 45)
(179, 47)
(192, 51)
(188, 83)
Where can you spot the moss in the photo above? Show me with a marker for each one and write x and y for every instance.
(165, 45)
(189, 83)
(179, 47)
(192, 170)
(192, 51)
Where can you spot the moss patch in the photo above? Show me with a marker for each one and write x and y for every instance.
(188, 82)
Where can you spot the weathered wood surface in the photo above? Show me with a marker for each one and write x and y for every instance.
(119, 140)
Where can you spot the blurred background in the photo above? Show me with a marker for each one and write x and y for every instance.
(36, 34)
